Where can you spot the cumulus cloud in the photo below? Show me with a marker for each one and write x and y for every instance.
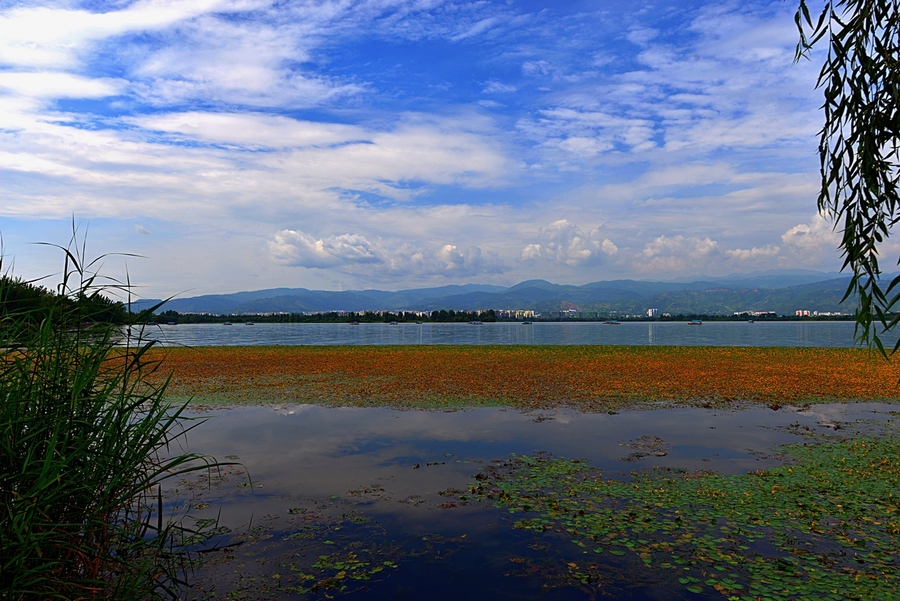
(565, 243)
(447, 260)
(689, 254)
(675, 254)
(356, 254)
(298, 248)
(752, 254)
(813, 238)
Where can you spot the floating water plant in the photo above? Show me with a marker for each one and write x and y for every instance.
(589, 378)
(825, 525)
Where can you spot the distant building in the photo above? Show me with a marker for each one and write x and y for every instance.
(755, 314)
(516, 314)
(802, 313)
(652, 312)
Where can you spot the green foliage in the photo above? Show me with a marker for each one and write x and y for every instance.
(26, 302)
(858, 146)
(824, 525)
(84, 443)
(21, 298)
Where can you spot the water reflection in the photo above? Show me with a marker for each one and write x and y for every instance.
(390, 472)
(340, 448)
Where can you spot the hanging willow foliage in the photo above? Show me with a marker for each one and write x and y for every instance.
(858, 146)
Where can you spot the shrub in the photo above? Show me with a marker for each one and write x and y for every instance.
(84, 442)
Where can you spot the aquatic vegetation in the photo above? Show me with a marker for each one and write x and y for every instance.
(824, 525)
(590, 378)
(320, 548)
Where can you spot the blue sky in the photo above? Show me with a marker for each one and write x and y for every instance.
(348, 144)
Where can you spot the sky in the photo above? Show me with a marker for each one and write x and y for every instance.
(212, 146)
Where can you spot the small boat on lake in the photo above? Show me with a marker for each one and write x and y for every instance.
(250, 323)
(227, 323)
(526, 323)
(695, 322)
(612, 322)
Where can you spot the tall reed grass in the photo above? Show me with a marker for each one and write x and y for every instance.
(85, 445)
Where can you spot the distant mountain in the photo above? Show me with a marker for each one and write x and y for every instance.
(299, 300)
(783, 278)
(757, 292)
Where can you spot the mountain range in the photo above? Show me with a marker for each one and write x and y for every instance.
(779, 292)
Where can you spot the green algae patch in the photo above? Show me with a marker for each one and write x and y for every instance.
(825, 525)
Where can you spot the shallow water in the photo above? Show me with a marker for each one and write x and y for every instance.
(383, 484)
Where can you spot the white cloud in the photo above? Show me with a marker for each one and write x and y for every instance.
(496, 87)
(59, 85)
(536, 68)
(731, 87)
(587, 133)
(675, 254)
(417, 153)
(563, 242)
(300, 249)
(250, 130)
(753, 254)
(247, 117)
(476, 29)
(210, 163)
(354, 253)
(813, 239)
(258, 63)
(46, 37)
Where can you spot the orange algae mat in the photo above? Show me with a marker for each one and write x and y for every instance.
(590, 378)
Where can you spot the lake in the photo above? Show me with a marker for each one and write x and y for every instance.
(375, 503)
(730, 333)
(368, 503)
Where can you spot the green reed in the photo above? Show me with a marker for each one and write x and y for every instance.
(84, 448)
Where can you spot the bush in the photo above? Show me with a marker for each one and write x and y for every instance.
(83, 445)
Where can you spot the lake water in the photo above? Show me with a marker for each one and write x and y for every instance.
(338, 491)
(785, 333)
(366, 503)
